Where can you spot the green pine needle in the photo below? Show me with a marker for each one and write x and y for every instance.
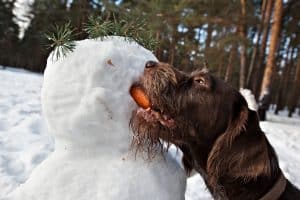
(96, 27)
(130, 27)
(61, 40)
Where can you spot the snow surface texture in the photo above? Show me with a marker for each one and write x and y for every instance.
(87, 108)
(24, 142)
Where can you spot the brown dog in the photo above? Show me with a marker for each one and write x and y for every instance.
(217, 133)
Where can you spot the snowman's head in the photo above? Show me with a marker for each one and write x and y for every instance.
(85, 96)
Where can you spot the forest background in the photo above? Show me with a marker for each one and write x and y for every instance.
(252, 44)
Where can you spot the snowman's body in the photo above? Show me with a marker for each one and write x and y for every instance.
(87, 108)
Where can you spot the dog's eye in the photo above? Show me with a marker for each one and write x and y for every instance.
(200, 80)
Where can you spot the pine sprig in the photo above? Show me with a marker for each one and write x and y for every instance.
(132, 28)
(96, 27)
(61, 40)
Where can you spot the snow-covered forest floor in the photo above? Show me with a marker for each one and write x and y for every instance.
(24, 141)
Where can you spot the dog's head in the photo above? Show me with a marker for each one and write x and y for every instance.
(203, 115)
(184, 106)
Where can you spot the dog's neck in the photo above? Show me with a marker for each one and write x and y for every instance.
(233, 187)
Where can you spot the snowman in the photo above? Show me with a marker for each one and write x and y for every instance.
(87, 108)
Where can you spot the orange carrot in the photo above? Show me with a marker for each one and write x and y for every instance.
(140, 97)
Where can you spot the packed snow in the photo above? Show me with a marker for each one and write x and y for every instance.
(90, 156)
(87, 107)
(250, 98)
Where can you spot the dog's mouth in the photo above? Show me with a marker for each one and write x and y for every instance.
(149, 112)
(155, 115)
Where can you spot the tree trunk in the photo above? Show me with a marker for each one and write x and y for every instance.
(255, 48)
(158, 50)
(275, 33)
(295, 91)
(284, 80)
(229, 68)
(208, 37)
(172, 51)
(256, 71)
(243, 35)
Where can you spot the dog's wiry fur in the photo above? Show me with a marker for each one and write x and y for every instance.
(217, 133)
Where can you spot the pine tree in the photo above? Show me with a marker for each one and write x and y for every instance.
(258, 67)
(265, 93)
(79, 12)
(295, 94)
(44, 14)
(243, 34)
(258, 32)
(232, 36)
(9, 31)
(275, 33)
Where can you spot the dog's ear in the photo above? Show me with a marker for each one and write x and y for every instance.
(241, 151)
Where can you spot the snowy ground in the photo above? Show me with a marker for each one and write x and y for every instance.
(24, 142)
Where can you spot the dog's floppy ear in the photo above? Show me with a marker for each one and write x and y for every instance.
(241, 151)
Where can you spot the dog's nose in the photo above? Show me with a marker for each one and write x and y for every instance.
(151, 64)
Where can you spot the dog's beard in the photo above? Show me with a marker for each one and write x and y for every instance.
(153, 127)
(145, 135)
(149, 128)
